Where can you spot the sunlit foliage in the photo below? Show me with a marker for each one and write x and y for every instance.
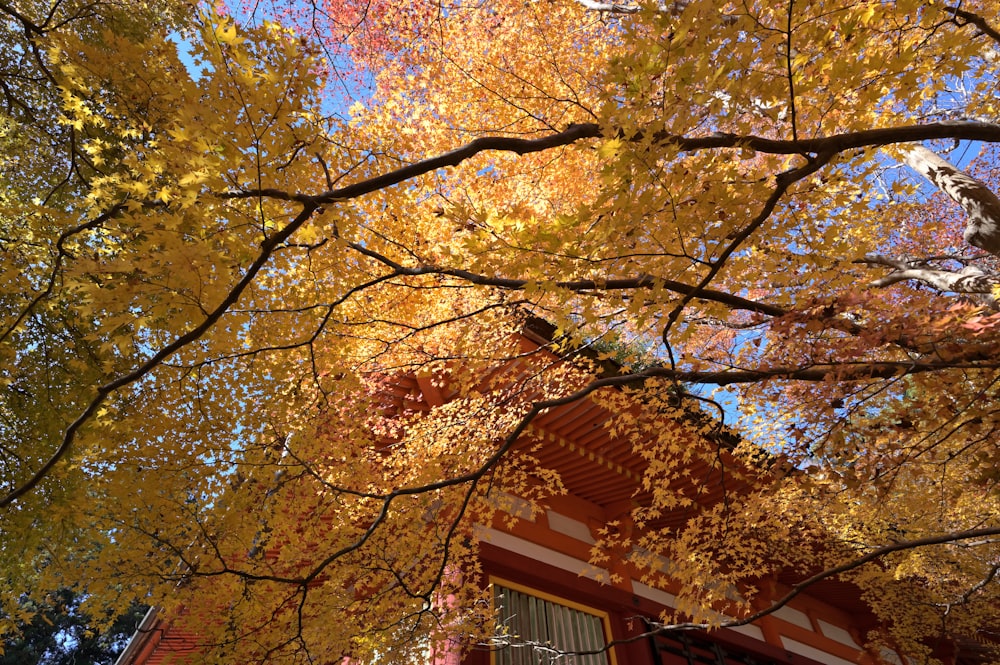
(265, 269)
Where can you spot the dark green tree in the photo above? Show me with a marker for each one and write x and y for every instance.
(60, 634)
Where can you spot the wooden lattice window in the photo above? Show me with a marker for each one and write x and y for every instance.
(538, 629)
(687, 649)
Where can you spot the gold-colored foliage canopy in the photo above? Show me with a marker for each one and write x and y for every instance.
(240, 254)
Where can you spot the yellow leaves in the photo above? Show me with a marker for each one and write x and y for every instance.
(610, 149)
(180, 132)
(340, 371)
(225, 33)
(193, 178)
(139, 188)
(867, 13)
(799, 60)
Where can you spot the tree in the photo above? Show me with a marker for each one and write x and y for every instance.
(59, 635)
(229, 288)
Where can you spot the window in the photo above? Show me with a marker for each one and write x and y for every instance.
(536, 629)
(687, 649)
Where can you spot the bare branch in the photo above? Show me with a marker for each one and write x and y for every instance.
(674, 8)
(520, 146)
(581, 285)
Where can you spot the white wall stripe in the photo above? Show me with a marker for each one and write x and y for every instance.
(538, 553)
(813, 652)
(569, 527)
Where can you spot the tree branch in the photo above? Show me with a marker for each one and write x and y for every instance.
(976, 20)
(519, 146)
(858, 371)
(581, 285)
(783, 181)
(876, 554)
(195, 333)
(836, 143)
(977, 200)
(831, 145)
(969, 279)
(611, 7)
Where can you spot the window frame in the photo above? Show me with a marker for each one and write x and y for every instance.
(605, 618)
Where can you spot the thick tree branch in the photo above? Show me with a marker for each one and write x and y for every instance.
(836, 143)
(519, 146)
(829, 145)
(858, 371)
(674, 8)
(974, 19)
(969, 279)
(977, 200)
(611, 7)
